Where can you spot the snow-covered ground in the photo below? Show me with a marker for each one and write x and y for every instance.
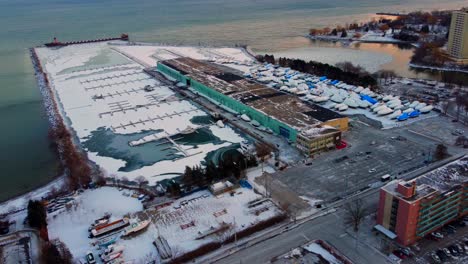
(255, 172)
(150, 55)
(208, 211)
(202, 209)
(103, 86)
(319, 250)
(71, 226)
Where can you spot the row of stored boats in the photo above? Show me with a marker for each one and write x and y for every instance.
(106, 233)
(335, 94)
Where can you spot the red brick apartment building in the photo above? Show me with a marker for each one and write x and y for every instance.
(413, 209)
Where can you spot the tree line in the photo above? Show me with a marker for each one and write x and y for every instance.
(231, 167)
(76, 163)
(360, 78)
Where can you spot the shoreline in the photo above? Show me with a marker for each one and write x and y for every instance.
(350, 41)
(435, 68)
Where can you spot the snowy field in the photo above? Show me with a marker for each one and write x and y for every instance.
(150, 55)
(203, 212)
(103, 86)
(71, 226)
(200, 212)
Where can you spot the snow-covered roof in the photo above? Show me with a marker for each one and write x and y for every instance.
(442, 179)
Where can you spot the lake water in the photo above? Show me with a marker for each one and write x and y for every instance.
(371, 56)
(26, 160)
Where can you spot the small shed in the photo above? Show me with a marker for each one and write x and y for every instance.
(221, 187)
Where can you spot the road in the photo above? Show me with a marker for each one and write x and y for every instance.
(329, 227)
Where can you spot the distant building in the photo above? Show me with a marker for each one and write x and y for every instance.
(458, 37)
(286, 115)
(414, 209)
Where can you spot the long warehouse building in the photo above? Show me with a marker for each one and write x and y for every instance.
(312, 127)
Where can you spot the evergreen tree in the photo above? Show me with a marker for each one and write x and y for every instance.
(425, 29)
(37, 215)
(344, 34)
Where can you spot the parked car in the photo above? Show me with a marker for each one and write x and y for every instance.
(435, 257)
(442, 255)
(90, 258)
(447, 252)
(399, 254)
(454, 251)
(437, 236)
(372, 170)
(460, 248)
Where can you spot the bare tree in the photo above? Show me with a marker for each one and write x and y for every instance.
(355, 213)
(459, 100)
(445, 106)
(140, 180)
(440, 152)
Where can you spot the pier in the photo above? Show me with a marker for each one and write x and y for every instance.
(56, 43)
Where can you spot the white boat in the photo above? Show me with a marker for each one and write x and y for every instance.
(395, 114)
(363, 104)
(351, 103)
(376, 105)
(420, 106)
(292, 90)
(336, 106)
(387, 98)
(378, 108)
(393, 102)
(110, 227)
(188, 130)
(343, 107)
(359, 89)
(409, 110)
(413, 104)
(320, 99)
(136, 227)
(113, 249)
(111, 257)
(255, 123)
(220, 123)
(426, 109)
(398, 107)
(384, 111)
(337, 98)
(301, 92)
(245, 118)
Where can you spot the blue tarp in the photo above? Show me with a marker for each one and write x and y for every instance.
(311, 86)
(368, 99)
(403, 117)
(414, 113)
(335, 82)
(245, 184)
(323, 78)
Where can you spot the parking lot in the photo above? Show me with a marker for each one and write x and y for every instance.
(428, 247)
(371, 153)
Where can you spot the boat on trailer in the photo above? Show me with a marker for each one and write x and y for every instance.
(136, 227)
